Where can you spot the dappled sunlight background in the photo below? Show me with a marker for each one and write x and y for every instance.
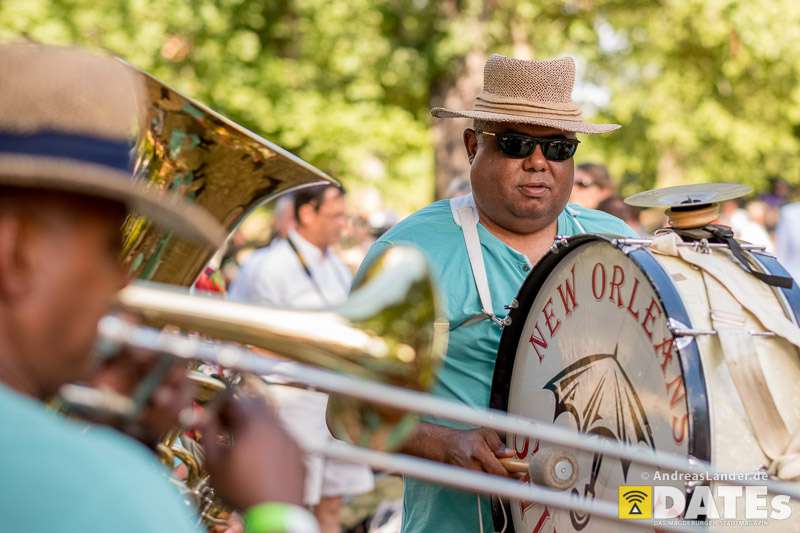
(705, 89)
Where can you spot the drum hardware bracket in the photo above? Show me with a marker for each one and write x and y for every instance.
(701, 246)
(631, 242)
(559, 242)
(513, 305)
(690, 332)
(683, 334)
(502, 322)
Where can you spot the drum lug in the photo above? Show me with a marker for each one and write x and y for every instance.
(513, 305)
(502, 322)
(685, 335)
(559, 243)
(624, 244)
(702, 246)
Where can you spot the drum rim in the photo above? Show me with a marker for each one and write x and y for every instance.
(698, 442)
(773, 266)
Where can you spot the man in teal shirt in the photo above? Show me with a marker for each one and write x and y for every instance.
(520, 150)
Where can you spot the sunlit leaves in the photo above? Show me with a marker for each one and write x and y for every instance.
(705, 89)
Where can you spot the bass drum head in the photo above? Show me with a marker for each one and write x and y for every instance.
(590, 349)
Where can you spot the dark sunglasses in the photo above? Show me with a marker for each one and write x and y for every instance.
(518, 145)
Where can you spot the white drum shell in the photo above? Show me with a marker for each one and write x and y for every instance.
(600, 326)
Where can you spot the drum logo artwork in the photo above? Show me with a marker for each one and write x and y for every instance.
(596, 355)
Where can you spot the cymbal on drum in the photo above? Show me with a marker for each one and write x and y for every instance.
(689, 195)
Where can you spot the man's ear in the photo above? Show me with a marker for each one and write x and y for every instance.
(471, 143)
(14, 261)
(303, 214)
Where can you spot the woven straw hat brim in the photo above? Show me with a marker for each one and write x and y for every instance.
(166, 209)
(565, 125)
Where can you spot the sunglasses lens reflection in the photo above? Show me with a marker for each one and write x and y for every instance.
(518, 146)
(560, 150)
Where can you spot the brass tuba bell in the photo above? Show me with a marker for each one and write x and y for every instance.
(186, 147)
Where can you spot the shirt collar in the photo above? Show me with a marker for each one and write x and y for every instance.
(309, 251)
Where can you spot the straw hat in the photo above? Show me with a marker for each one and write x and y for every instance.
(66, 122)
(528, 92)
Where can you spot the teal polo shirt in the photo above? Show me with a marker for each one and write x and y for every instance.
(59, 475)
(466, 374)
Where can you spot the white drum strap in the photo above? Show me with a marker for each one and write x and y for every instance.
(731, 290)
(728, 319)
(748, 291)
(465, 215)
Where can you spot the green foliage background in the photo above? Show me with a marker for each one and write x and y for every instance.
(706, 89)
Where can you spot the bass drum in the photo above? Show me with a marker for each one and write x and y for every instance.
(592, 347)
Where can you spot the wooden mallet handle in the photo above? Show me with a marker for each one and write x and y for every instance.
(514, 465)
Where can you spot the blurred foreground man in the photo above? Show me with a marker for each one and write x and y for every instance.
(302, 271)
(520, 150)
(65, 187)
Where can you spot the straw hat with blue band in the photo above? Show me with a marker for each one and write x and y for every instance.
(66, 122)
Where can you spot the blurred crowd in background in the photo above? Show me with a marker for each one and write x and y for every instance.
(769, 220)
(766, 219)
(367, 219)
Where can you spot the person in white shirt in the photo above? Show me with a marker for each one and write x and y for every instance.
(283, 220)
(302, 272)
(745, 228)
(788, 239)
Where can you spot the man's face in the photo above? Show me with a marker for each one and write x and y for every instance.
(329, 220)
(519, 195)
(65, 280)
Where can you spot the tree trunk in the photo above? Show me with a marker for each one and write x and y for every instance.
(450, 157)
(670, 172)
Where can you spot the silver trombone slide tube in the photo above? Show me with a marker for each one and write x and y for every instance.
(116, 330)
(480, 482)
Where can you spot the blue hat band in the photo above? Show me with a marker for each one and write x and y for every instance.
(85, 148)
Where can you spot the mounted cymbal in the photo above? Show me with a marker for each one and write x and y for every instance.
(683, 196)
(690, 206)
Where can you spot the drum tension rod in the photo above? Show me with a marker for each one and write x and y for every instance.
(648, 242)
(689, 332)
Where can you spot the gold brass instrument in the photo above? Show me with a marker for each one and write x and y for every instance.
(196, 488)
(228, 170)
(186, 147)
(389, 331)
